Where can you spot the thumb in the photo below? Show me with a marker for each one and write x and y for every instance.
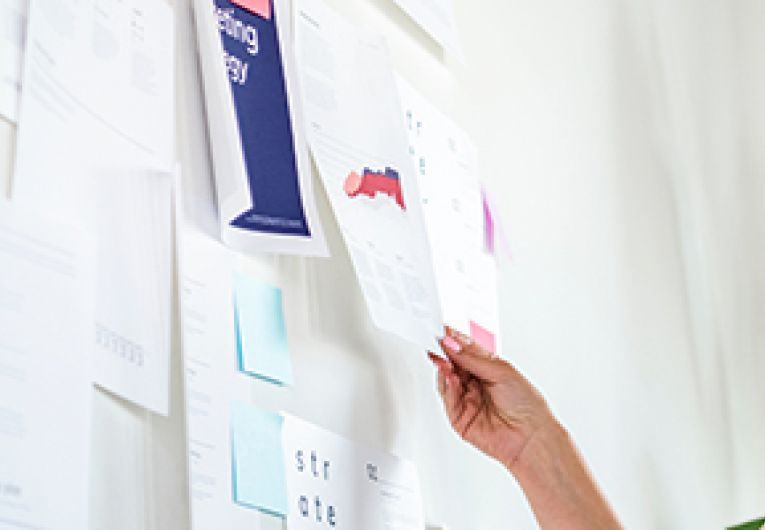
(474, 360)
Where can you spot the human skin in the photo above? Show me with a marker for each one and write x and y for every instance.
(492, 406)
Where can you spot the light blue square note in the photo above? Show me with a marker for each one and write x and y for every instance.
(258, 473)
(261, 333)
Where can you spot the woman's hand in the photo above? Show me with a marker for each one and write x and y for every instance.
(492, 406)
(488, 402)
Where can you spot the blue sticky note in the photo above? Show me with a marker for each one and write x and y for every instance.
(261, 334)
(258, 459)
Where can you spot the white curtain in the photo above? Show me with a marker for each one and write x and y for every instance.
(710, 82)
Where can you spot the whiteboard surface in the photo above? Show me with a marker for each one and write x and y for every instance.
(561, 100)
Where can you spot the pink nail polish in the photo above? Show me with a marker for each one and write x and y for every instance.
(451, 344)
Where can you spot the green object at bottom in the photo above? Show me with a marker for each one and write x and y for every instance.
(752, 525)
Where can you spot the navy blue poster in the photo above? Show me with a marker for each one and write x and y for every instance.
(256, 74)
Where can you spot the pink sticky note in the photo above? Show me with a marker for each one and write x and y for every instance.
(262, 8)
(483, 337)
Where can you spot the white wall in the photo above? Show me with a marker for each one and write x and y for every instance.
(624, 143)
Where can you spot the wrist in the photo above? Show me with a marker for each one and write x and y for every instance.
(548, 439)
(558, 484)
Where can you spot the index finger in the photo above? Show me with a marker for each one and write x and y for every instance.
(475, 361)
(468, 342)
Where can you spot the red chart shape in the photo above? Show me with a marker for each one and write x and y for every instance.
(370, 183)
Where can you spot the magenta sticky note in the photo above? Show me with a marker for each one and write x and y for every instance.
(262, 8)
(496, 239)
(488, 225)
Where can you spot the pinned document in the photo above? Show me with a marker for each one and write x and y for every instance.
(211, 384)
(258, 460)
(46, 315)
(262, 168)
(328, 479)
(359, 143)
(455, 212)
(261, 333)
(334, 482)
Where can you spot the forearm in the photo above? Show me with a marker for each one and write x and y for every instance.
(558, 484)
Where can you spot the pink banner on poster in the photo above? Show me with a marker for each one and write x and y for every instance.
(262, 8)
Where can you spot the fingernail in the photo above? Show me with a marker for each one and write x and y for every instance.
(451, 344)
(433, 357)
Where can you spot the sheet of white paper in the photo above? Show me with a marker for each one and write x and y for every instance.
(330, 477)
(447, 171)
(13, 21)
(95, 145)
(437, 18)
(46, 317)
(210, 368)
(357, 136)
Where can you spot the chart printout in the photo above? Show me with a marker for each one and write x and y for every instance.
(357, 137)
